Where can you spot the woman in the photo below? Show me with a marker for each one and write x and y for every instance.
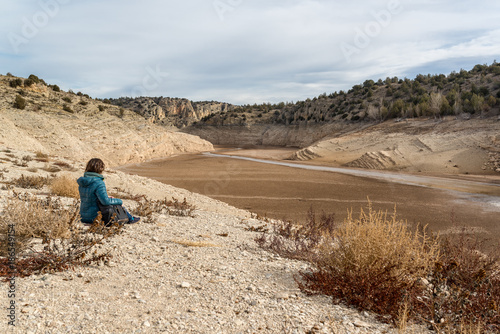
(92, 188)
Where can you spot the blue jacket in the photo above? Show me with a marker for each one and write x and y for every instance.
(91, 187)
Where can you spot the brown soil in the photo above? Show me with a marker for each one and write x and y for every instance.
(284, 192)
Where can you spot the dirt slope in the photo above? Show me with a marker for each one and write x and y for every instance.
(448, 146)
(78, 127)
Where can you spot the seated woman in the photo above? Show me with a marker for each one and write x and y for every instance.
(92, 188)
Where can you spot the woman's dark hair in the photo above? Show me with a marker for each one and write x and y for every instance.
(95, 165)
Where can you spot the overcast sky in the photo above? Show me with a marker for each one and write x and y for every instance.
(241, 51)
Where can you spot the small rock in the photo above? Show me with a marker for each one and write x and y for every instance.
(146, 324)
(282, 295)
(185, 285)
(361, 324)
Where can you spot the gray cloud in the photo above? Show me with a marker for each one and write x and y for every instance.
(241, 51)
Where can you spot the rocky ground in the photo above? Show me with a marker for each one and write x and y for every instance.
(201, 274)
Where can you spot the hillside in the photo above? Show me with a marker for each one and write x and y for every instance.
(40, 117)
(466, 94)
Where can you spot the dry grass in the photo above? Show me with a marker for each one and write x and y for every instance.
(65, 242)
(39, 156)
(147, 207)
(34, 218)
(30, 182)
(373, 262)
(65, 186)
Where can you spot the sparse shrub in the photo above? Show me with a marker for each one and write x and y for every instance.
(55, 88)
(35, 79)
(83, 103)
(63, 165)
(65, 243)
(27, 158)
(147, 207)
(30, 182)
(373, 262)
(14, 83)
(20, 102)
(377, 263)
(298, 240)
(464, 286)
(67, 99)
(65, 186)
(28, 82)
(101, 107)
(67, 108)
(40, 156)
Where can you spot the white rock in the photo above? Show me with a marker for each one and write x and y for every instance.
(361, 324)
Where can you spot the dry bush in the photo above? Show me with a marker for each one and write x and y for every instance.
(147, 207)
(295, 240)
(464, 286)
(65, 186)
(30, 182)
(65, 241)
(33, 218)
(63, 165)
(373, 262)
(39, 156)
(377, 263)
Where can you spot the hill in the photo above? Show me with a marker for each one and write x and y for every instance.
(40, 117)
(466, 94)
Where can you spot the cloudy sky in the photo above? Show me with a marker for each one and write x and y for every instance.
(241, 51)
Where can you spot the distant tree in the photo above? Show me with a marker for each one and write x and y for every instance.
(477, 103)
(435, 103)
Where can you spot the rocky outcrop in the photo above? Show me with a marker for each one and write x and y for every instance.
(171, 111)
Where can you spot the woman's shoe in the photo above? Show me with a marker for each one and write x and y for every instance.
(135, 220)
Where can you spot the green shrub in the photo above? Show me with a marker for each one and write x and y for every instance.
(34, 78)
(28, 82)
(20, 102)
(16, 82)
(55, 88)
(67, 99)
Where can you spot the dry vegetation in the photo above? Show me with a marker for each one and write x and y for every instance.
(174, 207)
(65, 186)
(49, 236)
(377, 262)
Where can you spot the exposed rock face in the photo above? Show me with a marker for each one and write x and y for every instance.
(271, 135)
(171, 111)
